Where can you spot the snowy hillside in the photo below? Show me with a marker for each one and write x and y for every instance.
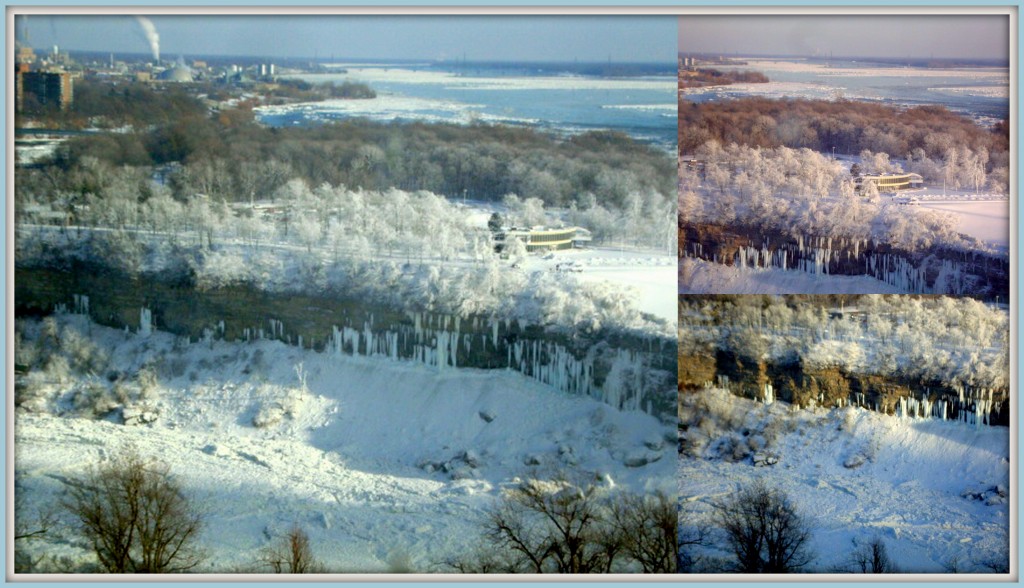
(388, 465)
(935, 492)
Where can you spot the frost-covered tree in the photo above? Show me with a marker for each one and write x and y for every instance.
(515, 249)
(764, 531)
(307, 230)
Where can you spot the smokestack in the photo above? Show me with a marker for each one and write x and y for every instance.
(151, 35)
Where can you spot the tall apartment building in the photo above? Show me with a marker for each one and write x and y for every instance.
(47, 87)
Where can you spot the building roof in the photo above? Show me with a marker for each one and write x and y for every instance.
(180, 73)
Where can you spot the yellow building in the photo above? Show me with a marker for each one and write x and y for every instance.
(543, 238)
(890, 182)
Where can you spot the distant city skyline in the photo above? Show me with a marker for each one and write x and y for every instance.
(913, 36)
(432, 37)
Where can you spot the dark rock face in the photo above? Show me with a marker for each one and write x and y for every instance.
(696, 369)
(575, 363)
(933, 271)
(797, 384)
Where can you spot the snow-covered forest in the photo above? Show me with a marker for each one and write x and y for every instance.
(850, 126)
(943, 350)
(416, 252)
(781, 178)
(804, 193)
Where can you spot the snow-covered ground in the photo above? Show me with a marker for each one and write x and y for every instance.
(360, 464)
(28, 152)
(648, 278)
(985, 220)
(935, 492)
(697, 276)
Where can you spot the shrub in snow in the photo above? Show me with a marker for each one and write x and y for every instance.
(273, 412)
(83, 355)
(399, 562)
(269, 415)
(291, 554)
(756, 442)
(487, 415)
(532, 460)
(32, 393)
(148, 385)
(94, 399)
(569, 458)
(691, 444)
(740, 449)
(872, 558)
(138, 416)
(49, 334)
(26, 353)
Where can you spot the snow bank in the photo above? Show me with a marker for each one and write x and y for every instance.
(697, 277)
(351, 460)
(856, 475)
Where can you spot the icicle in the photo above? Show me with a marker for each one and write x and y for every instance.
(145, 322)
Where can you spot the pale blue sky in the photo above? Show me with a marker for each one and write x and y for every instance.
(533, 38)
(916, 36)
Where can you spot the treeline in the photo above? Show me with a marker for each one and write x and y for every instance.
(229, 158)
(845, 125)
(124, 104)
(713, 77)
(295, 90)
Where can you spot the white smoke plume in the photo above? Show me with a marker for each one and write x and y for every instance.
(151, 35)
